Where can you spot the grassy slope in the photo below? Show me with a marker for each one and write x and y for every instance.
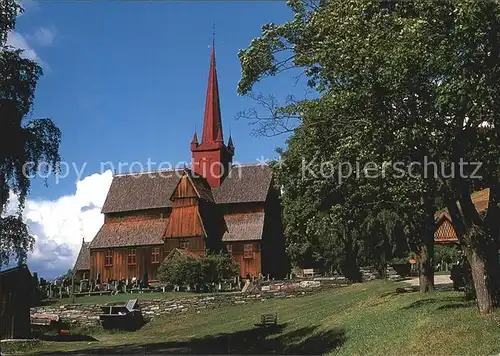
(360, 319)
(103, 299)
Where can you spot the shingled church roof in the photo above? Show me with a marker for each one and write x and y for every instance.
(242, 227)
(129, 192)
(83, 260)
(141, 191)
(244, 184)
(130, 233)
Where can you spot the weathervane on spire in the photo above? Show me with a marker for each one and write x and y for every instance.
(213, 35)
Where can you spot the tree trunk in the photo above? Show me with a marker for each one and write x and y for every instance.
(482, 255)
(426, 253)
(483, 289)
(350, 266)
(383, 265)
(480, 246)
(426, 267)
(469, 289)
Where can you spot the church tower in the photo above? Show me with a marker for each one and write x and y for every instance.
(211, 158)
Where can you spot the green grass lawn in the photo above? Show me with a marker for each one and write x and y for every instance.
(103, 299)
(368, 318)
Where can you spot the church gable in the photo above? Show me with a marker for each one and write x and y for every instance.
(185, 219)
(191, 186)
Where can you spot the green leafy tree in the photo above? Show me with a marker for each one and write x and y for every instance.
(402, 81)
(447, 254)
(217, 267)
(23, 144)
(181, 270)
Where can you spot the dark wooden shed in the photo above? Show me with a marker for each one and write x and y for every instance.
(17, 289)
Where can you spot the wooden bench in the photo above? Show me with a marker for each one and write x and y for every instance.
(268, 320)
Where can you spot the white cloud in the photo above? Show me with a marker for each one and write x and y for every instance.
(60, 225)
(16, 40)
(43, 36)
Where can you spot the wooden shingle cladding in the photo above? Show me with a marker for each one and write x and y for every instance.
(141, 191)
(245, 184)
(155, 213)
(153, 190)
(127, 233)
(244, 226)
(81, 269)
(445, 233)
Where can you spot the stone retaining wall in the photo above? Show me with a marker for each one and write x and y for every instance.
(88, 314)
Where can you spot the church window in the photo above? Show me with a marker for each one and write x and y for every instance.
(184, 244)
(248, 251)
(155, 255)
(229, 248)
(108, 259)
(132, 257)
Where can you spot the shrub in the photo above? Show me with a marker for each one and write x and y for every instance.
(181, 270)
(198, 273)
(217, 267)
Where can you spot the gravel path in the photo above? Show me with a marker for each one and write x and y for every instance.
(440, 282)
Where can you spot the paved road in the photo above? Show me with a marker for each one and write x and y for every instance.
(440, 282)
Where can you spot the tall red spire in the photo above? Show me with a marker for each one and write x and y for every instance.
(212, 123)
(211, 158)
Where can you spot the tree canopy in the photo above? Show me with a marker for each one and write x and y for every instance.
(24, 144)
(403, 83)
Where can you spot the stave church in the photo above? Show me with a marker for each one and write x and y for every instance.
(214, 205)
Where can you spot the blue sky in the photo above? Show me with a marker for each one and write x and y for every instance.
(126, 81)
